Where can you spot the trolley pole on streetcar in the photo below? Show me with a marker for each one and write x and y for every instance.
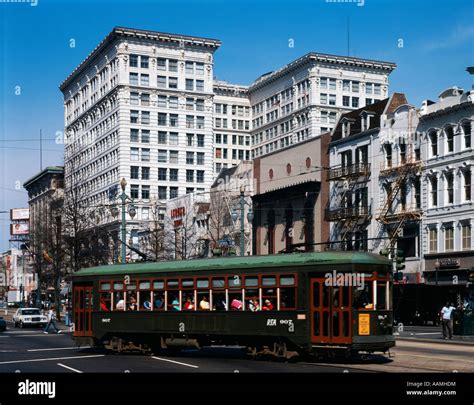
(243, 203)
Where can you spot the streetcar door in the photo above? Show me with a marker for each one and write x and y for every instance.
(82, 305)
(330, 313)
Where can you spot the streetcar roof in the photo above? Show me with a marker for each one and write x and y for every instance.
(236, 263)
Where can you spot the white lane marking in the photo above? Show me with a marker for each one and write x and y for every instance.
(175, 362)
(70, 368)
(430, 333)
(58, 348)
(51, 359)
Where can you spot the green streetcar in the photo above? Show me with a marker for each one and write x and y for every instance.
(279, 305)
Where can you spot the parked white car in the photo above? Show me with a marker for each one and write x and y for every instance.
(29, 317)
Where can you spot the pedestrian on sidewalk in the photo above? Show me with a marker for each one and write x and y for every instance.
(447, 314)
(51, 321)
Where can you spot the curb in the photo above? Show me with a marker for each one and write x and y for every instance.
(440, 341)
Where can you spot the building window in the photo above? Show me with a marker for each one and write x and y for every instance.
(173, 138)
(134, 133)
(134, 172)
(189, 158)
(162, 119)
(145, 173)
(172, 82)
(450, 138)
(466, 129)
(134, 98)
(173, 120)
(189, 68)
(145, 99)
(346, 100)
(173, 174)
(133, 61)
(434, 191)
(145, 192)
(144, 62)
(434, 143)
(173, 65)
(173, 102)
(145, 117)
(332, 99)
(466, 237)
(467, 185)
(162, 155)
(162, 137)
(161, 82)
(189, 190)
(199, 85)
(346, 85)
(199, 69)
(144, 80)
(134, 154)
(200, 176)
(189, 121)
(162, 173)
(162, 101)
(200, 158)
(189, 84)
(200, 140)
(190, 176)
(133, 79)
(190, 104)
(145, 155)
(161, 64)
(145, 136)
(450, 187)
(162, 192)
(173, 192)
(433, 236)
(173, 156)
(324, 98)
(355, 102)
(134, 188)
(449, 239)
(134, 116)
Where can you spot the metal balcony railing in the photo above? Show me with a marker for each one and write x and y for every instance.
(338, 214)
(353, 170)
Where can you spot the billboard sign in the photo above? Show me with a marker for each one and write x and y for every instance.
(20, 214)
(20, 228)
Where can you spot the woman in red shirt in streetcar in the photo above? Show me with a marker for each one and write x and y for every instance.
(268, 306)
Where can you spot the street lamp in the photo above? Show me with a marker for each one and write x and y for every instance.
(242, 218)
(437, 266)
(132, 211)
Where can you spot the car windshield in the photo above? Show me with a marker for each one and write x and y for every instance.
(30, 312)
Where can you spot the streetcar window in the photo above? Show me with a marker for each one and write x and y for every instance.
(187, 283)
(118, 286)
(345, 323)
(119, 302)
(269, 299)
(381, 295)
(287, 298)
(145, 301)
(335, 324)
(325, 323)
(219, 302)
(218, 282)
(252, 299)
(173, 301)
(158, 285)
(202, 283)
(172, 283)
(203, 300)
(105, 286)
(325, 296)
(132, 285)
(105, 301)
(234, 282)
(235, 301)
(144, 285)
(316, 293)
(188, 301)
(345, 297)
(132, 304)
(158, 301)
(364, 298)
(251, 281)
(287, 280)
(268, 281)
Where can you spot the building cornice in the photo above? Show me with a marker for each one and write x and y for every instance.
(124, 33)
(321, 58)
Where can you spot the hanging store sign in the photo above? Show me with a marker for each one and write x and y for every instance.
(20, 214)
(449, 263)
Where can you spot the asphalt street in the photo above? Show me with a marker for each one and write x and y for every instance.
(29, 350)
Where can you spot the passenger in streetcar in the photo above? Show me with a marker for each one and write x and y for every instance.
(189, 305)
(204, 304)
(268, 305)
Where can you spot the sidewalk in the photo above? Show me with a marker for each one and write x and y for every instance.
(456, 340)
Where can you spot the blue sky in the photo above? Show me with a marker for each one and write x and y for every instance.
(438, 45)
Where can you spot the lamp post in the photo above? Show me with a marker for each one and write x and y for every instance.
(124, 198)
(437, 266)
(242, 218)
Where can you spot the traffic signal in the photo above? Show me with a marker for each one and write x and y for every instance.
(400, 260)
(385, 252)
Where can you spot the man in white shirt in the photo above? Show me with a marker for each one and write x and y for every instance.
(446, 314)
